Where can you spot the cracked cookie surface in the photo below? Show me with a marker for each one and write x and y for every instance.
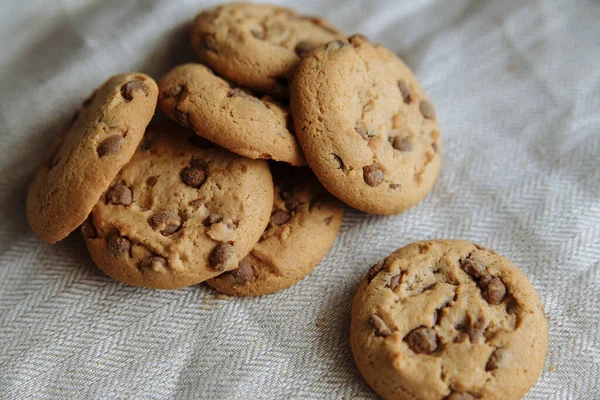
(257, 45)
(448, 319)
(366, 126)
(302, 228)
(181, 211)
(196, 98)
(100, 139)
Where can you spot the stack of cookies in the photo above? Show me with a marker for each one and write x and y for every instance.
(284, 121)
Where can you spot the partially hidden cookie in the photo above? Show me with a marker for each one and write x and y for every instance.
(180, 212)
(302, 228)
(101, 138)
(231, 117)
(447, 319)
(257, 45)
(366, 126)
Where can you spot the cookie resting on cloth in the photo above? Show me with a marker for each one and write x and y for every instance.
(447, 319)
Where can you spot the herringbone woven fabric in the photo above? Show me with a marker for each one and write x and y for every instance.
(516, 85)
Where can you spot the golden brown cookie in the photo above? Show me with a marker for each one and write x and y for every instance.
(180, 212)
(302, 228)
(446, 319)
(257, 45)
(84, 159)
(231, 117)
(366, 126)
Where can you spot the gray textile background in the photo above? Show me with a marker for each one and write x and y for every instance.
(516, 85)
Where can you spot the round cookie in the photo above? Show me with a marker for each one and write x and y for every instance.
(302, 228)
(255, 128)
(449, 320)
(257, 45)
(366, 126)
(180, 212)
(101, 138)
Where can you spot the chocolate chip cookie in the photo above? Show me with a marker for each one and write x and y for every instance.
(180, 212)
(229, 116)
(257, 45)
(303, 225)
(101, 138)
(448, 320)
(366, 126)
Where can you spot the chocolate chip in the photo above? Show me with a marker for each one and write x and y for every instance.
(293, 204)
(220, 255)
(209, 42)
(338, 161)
(211, 219)
(493, 289)
(118, 245)
(182, 118)
(427, 109)
(110, 145)
(173, 91)
(243, 274)
(395, 282)
(372, 175)
(258, 34)
(120, 194)
(361, 132)
(375, 269)
(165, 221)
(459, 396)
(395, 186)
(477, 329)
(381, 328)
(193, 177)
(405, 90)
(335, 45)
(472, 267)
(88, 230)
(304, 47)
(422, 340)
(279, 217)
(155, 263)
(328, 220)
(131, 86)
(497, 358)
(151, 181)
(402, 144)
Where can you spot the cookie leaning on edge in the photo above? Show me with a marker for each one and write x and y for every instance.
(82, 162)
(366, 126)
(257, 46)
(447, 319)
(196, 98)
(302, 228)
(179, 212)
